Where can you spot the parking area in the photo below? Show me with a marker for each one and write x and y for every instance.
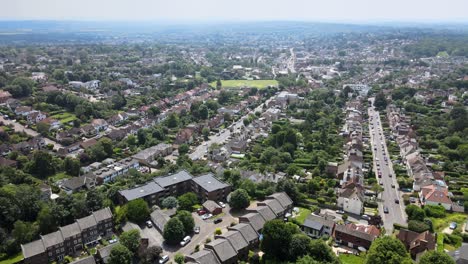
(155, 238)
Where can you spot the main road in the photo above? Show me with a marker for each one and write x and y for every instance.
(390, 200)
(20, 128)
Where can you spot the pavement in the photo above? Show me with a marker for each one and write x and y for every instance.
(223, 135)
(20, 128)
(396, 212)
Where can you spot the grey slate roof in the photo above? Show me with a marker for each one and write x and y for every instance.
(255, 219)
(460, 255)
(236, 239)
(275, 206)
(210, 205)
(317, 222)
(70, 230)
(103, 214)
(52, 239)
(104, 252)
(87, 260)
(204, 256)
(159, 218)
(32, 249)
(86, 222)
(175, 178)
(223, 249)
(246, 230)
(142, 191)
(266, 213)
(209, 182)
(282, 198)
(75, 183)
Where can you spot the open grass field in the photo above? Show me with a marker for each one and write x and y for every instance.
(351, 259)
(303, 213)
(64, 118)
(260, 84)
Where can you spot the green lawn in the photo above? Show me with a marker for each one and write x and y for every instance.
(12, 260)
(351, 259)
(441, 223)
(246, 83)
(303, 213)
(64, 118)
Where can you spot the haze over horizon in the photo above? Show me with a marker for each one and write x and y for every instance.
(240, 10)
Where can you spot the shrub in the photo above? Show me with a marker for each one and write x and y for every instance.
(218, 231)
(417, 226)
(437, 211)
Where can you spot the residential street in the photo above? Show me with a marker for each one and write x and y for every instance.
(20, 128)
(383, 164)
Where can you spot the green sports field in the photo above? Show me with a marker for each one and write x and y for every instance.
(246, 83)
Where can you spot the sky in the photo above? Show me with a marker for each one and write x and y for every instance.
(237, 10)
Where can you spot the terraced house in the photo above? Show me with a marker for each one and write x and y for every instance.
(70, 239)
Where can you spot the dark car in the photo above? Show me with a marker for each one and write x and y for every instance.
(385, 209)
(397, 201)
(218, 220)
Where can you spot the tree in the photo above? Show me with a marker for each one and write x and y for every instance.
(24, 232)
(277, 236)
(415, 212)
(71, 166)
(203, 112)
(21, 87)
(239, 199)
(169, 202)
(218, 84)
(43, 128)
(308, 260)
(131, 240)
(206, 133)
(179, 258)
(41, 164)
(299, 246)
(172, 120)
(173, 231)
(183, 149)
(387, 250)
(151, 254)
(138, 210)
(436, 257)
(120, 255)
(380, 101)
(322, 252)
(46, 221)
(94, 200)
(187, 201)
(187, 220)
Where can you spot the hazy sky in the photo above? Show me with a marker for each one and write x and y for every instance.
(177, 10)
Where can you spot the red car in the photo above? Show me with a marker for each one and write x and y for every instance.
(201, 212)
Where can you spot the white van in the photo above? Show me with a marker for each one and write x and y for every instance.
(185, 241)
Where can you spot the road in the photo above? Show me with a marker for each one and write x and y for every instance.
(222, 136)
(20, 128)
(382, 163)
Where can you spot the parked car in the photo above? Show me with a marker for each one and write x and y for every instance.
(385, 209)
(453, 225)
(149, 224)
(196, 230)
(365, 217)
(397, 201)
(206, 216)
(218, 220)
(393, 186)
(201, 212)
(339, 211)
(185, 241)
(222, 204)
(164, 259)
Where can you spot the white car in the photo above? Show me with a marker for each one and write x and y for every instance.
(185, 241)
(164, 259)
(222, 204)
(206, 216)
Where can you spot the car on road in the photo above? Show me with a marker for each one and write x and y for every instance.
(223, 205)
(196, 230)
(453, 225)
(393, 186)
(206, 216)
(185, 241)
(385, 209)
(365, 217)
(218, 220)
(339, 211)
(149, 224)
(397, 201)
(164, 259)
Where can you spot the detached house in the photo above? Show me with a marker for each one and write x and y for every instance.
(184, 136)
(436, 194)
(34, 117)
(355, 236)
(318, 226)
(351, 199)
(417, 243)
(99, 124)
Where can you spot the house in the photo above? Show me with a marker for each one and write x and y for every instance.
(92, 85)
(216, 121)
(54, 124)
(76, 184)
(265, 212)
(224, 251)
(34, 117)
(204, 256)
(210, 188)
(460, 255)
(159, 219)
(50, 88)
(99, 124)
(117, 119)
(103, 253)
(283, 199)
(417, 243)
(212, 207)
(88, 130)
(184, 136)
(23, 110)
(254, 219)
(175, 184)
(85, 260)
(4, 96)
(275, 206)
(355, 236)
(238, 242)
(220, 154)
(351, 199)
(318, 226)
(117, 134)
(248, 233)
(436, 194)
(88, 143)
(70, 239)
(147, 156)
